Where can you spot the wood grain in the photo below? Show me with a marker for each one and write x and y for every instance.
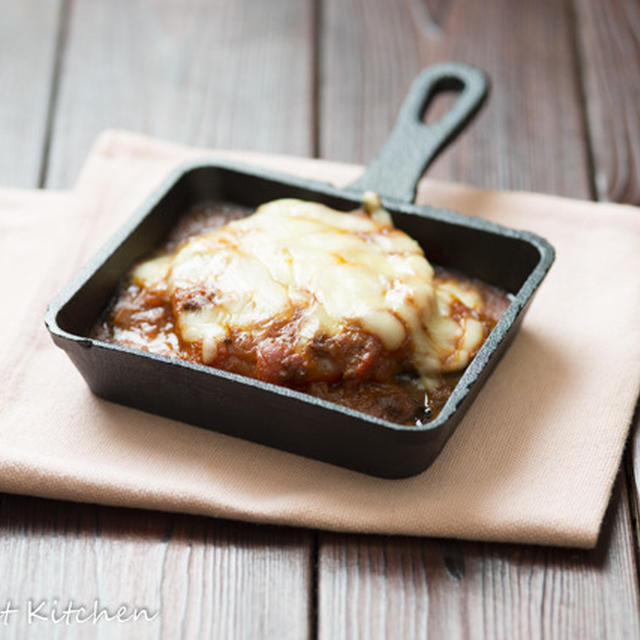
(530, 136)
(609, 44)
(632, 468)
(213, 73)
(209, 73)
(202, 577)
(377, 587)
(28, 35)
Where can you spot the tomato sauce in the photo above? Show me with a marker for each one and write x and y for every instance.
(352, 369)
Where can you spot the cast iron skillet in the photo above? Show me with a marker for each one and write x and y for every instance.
(515, 261)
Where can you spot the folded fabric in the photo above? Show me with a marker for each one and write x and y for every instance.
(533, 460)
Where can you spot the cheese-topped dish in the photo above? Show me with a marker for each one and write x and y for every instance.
(341, 305)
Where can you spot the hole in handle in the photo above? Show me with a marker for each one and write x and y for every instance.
(441, 99)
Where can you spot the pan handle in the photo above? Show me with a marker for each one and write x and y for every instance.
(413, 145)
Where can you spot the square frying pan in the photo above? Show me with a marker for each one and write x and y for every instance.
(515, 261)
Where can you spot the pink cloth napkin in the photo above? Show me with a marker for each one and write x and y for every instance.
(533, 461)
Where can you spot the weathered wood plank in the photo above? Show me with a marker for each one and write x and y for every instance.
(215, 73)
(220, 73)
(376, 587)
(194, 577)
(28, 34)
(632, 467)
(531, 136)
(609, 45)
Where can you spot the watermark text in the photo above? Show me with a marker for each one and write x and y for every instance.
(70, 612)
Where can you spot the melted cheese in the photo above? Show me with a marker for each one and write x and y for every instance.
(329, 270)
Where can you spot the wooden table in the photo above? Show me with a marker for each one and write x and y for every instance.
(321, 78)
